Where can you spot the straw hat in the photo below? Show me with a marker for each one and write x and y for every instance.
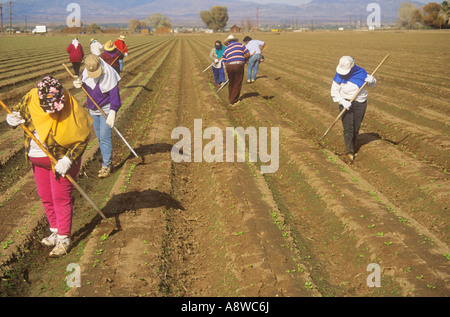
(109, 46)
(122, 38)
(93, 66)
(346, 64)
(230, 38)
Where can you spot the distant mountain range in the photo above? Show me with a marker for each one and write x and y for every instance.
(187, 12)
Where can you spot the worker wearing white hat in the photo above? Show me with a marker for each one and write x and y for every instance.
(96, 47)
(347, 82)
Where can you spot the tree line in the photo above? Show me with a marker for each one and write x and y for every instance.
(216, 19)
(155, 21)
(432, 15)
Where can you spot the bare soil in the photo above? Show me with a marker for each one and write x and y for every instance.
(222, 229)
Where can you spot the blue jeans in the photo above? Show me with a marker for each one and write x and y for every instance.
(219, 75)
(253, 64)
(121, 64)
(104, 136)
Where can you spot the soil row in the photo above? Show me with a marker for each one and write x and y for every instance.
(314, 227)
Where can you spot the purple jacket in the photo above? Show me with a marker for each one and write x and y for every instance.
(112, 97)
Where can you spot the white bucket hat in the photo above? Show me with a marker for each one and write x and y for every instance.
(346, 64)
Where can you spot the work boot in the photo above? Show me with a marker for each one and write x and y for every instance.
(62, 247)
(104, 171)
(50, 241)
(351, 156)
(235, 104)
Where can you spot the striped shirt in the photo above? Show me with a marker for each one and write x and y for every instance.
(235, 52)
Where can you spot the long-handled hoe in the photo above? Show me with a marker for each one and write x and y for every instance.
(103, 113)
(343, 110)
(210, 66)
(223, 85)
(111, 225)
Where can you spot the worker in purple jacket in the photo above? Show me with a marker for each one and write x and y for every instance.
(101, 82)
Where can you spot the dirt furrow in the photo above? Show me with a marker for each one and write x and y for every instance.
(339, 191)
(420, 137)
(232, 220)
(31, 217)
(140, 201)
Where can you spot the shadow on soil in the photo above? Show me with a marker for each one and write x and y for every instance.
(366, 138)
(122, 203)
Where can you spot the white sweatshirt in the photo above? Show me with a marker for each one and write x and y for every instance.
(349, 90)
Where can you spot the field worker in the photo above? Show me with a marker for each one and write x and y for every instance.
(111, 56)
(217, 67)
(55, 118)
(234, 57)
(76, 55)
(348, 80)
(96, 47)
(254, 47)
(101, 82)
(122, 47)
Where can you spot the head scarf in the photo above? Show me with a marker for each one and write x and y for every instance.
(51, 94)
(68, 126)
(219, 49)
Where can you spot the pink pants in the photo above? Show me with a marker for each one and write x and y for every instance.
(56, 195)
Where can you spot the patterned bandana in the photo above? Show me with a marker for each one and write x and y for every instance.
(51, 94)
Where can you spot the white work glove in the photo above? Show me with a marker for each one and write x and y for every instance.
(77, 83)
(216, 61)
(370, 79)
(63, 166)
(111, 118)
(126, 54)
(346, 104)
(14, 119)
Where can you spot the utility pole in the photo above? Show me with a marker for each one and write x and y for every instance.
(256, 19)
(1, 16)
(10, 16)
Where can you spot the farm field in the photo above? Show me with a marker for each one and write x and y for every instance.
(223, 229)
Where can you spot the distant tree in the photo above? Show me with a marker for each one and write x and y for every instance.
(134, 25)
(159, 20)
(145, 22)
(249, 25)
(417, 17)
(432, 15)
(215, 19)
(94, 26)
(445, 7)
(406, 14)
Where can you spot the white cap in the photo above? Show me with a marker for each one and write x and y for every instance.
(346, 64)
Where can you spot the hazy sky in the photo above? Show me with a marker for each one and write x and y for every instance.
(297, 2)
